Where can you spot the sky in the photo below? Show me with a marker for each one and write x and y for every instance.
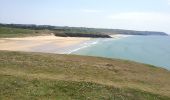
(145, 15)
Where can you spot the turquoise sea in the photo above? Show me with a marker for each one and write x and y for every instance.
(154, 50)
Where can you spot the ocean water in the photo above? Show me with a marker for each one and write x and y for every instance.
(154, 50)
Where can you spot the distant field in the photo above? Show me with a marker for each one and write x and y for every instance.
(6, 32)
(69, 77)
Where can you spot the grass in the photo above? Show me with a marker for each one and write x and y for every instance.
(69, 77)
(6, 32)
(23, 89)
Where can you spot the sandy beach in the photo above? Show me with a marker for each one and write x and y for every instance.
(49, 44)
(119, 36)
(39, 43)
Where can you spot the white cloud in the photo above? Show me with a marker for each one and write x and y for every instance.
(91, 11)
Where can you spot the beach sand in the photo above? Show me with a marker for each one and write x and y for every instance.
(119, 36)
(48, 44)
(39, 43)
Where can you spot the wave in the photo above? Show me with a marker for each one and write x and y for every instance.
(83, 45)
(91, 42)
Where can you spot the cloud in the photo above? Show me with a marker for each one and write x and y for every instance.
(91, 11)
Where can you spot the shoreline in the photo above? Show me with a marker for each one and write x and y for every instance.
(82, 45)
(92, 42)
(120, 36)
(50, 43)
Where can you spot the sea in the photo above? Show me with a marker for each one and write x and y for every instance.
(153, 50)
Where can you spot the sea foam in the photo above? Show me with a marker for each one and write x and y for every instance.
(82, 46)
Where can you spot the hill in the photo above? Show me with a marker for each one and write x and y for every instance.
(7, 32)
(78, 31)
(70, 77)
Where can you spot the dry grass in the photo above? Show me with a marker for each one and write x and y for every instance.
(126, 76)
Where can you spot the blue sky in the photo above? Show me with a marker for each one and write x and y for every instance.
(153, 15)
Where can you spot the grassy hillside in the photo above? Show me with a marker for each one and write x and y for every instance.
(66, 77)
(81, 31)
(6, 32)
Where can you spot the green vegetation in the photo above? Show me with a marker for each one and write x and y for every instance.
(24, 29)
(66, 77)
(70, 33)
(6, 32)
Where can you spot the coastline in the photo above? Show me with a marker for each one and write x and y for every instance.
(80, 46)
(120, 36)
(51, 43)
(92, 42)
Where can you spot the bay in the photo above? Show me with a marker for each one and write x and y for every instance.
(154, 50)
